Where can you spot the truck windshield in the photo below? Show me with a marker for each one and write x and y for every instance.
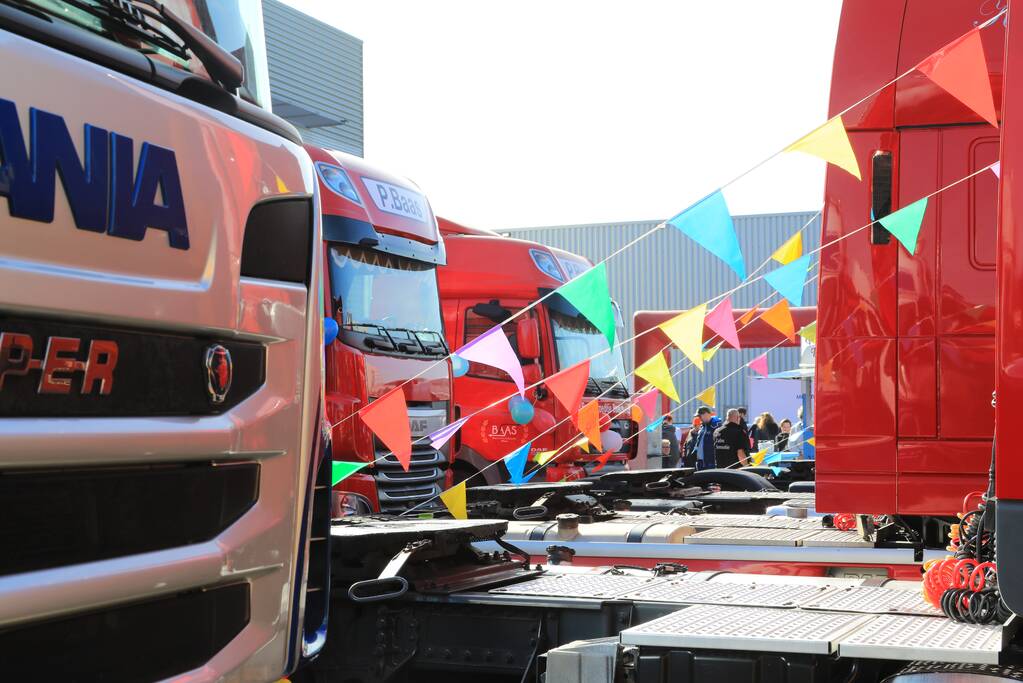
(236, 25)
(576, 340)
(382, 293)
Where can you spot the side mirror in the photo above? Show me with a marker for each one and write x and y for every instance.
(532, 373)
(527, 336)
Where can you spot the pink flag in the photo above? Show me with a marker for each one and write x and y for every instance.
(444, 434)
(759, 365)
(722, 322)
(492, 348)
(647, 402)
(996, 168)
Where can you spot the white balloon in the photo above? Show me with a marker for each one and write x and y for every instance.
(611, 441)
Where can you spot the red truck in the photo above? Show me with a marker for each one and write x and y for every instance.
(381, 253)
(906, 343)
(487, 279)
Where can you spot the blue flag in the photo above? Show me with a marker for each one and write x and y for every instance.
(709, 224)
(790, 279)
(655, 424)
(516, 463)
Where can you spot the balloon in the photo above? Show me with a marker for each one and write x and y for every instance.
(611, 441)
(459, 366)
(521, 410)
(330, 331)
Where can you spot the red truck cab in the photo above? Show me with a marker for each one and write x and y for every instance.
(906, 346)
(488, 278)
(381, 253)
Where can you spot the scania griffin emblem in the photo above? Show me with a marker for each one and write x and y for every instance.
(218, 373)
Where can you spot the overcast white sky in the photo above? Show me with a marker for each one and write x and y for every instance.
(562, 112)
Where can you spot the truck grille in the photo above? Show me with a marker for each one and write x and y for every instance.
(399, 490)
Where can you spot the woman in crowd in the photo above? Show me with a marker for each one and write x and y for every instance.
(764, 429)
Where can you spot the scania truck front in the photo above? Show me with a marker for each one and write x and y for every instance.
(381, 252)
(160, 348)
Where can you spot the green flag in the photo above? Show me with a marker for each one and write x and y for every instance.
(905, 223)
(340, 470)
(589, 294)
(809, 332)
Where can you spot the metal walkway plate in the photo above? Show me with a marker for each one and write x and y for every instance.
(909, 637)
(873, 600)
(732, 536)
(722, 593)
(833, 538)
(580, 585)
(746, 628)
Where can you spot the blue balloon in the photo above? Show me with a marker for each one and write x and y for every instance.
(330, 331)
(459, 366)
(521, 410)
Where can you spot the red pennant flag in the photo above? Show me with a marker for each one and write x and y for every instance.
(568, 385)
(722, 322)
(960, 68)
(588, 422)
(780, 318)
(387, 417)
(601, 461)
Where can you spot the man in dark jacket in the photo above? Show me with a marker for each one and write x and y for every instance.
(731, 444)
(668, 434)
(705, 439)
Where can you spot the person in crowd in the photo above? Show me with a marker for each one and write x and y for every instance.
(689, 447)
(668, 434)
(764, 429)
(742, 420)
(731, 445)
(665, 451)
(781, 442)
(705, 439)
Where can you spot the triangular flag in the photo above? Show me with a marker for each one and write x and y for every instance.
(601, 461)
(454, 500)
(588, 422)
(790, 251)
(758, 457)
(759, 365)
(655, 424)
(790, 279)
(960, 68)
(655, 370)
(708, 396)
(647, 402)
(685, 331)
(516, 464)
(591, 297)
(809, 332)
(543, 457)
(780, 318)
(905, 223)
(996, 168)
(493, 348)
(444, 434)
(746, 317)
(708, 354)
(831, 143)
(812, 441)
(722, 322)
(342, 469)
(387, 417)
(709, 224)
(569, 385)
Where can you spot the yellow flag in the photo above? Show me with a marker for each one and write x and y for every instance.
(812, 441)
(454, 499)
(831, 143)
(543, 457)
(709, 353)
(758, 457)
(708, 396)
(281, 187)
(656, 372)
(790, 251)
(685, 331)
(809, 332)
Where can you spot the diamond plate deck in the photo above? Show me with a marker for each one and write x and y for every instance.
(911, 637)
(746, 628)
(833, 538)
(733, 536)
(580, 585)
(873, 600)
(724, 593)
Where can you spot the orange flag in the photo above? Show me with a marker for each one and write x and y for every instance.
(780, 318)
(745, 318)
(601, 461)
(387, 417)
(588, 422)
(960, 68)
(568, 385)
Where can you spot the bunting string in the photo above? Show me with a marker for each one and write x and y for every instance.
(991, 21)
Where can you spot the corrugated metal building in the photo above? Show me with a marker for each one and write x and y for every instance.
(315, 77)
(668, 271)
